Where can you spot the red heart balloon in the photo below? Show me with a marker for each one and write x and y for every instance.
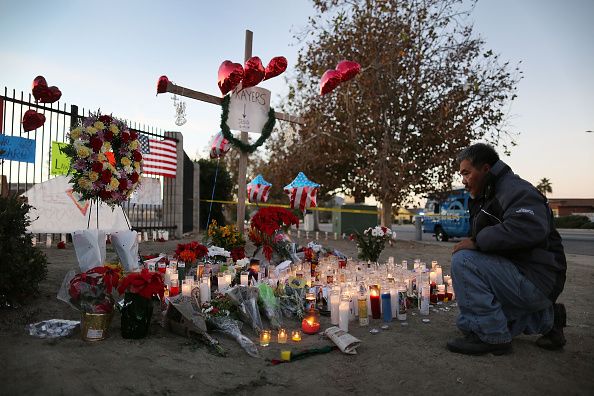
(330, 80)
(254, 72)
(276, 66)
(50, 95)
(32, 120)
(348, 69)
(162, 84)
(39, 87)
(230, 75)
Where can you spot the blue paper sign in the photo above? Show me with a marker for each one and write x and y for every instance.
(15, 148)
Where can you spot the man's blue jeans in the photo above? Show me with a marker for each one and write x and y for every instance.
(496, 301)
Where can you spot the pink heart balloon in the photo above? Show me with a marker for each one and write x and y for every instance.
(162, 84)
(230, 75)
(32, 120)
(254, 72)
(348, 69)
(276, 66)
(330, 80)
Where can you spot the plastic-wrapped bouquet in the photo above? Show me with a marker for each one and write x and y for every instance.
(245, 298)
(372, 242)
(266, 224)
(91, 291)
(218, 317)
(292, 301)
(270, 304)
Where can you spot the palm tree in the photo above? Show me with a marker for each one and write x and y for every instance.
(544, 186)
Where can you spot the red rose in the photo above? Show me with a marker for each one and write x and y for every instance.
(125, 136)
(106, 176)
(97, 167)
(133, 135)
(123, 184)
(105, 119)
(108, 135)
(137, 155)
(135, 176)
(96, 144)
(104, 195)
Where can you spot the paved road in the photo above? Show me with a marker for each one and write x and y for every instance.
(574, 241)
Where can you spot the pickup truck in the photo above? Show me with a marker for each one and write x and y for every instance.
(447, 218)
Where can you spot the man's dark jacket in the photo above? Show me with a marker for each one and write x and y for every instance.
(513, 219)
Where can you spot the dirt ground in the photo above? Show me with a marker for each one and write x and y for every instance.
(401, 360)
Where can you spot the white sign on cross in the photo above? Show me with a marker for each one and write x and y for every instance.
(248, 109)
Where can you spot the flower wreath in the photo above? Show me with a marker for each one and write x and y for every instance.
(105, 159)
(246, 148)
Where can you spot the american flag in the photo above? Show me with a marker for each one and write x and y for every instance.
(258, 189)
(219, 146)
(302, 192)
(159, 156)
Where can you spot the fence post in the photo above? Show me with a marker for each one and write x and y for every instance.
(73, 116)
(196, 197)
(174, 202)
(418, 229)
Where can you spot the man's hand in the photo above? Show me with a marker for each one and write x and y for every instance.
(465, 243)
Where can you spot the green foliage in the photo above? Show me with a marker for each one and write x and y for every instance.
(224, 187)
(588, 226)
(22, 266)
(572, 221)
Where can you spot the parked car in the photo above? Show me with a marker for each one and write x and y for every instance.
(449, 217)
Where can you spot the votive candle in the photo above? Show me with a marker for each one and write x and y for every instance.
(265, 338)
(296, 335)
(282, 336)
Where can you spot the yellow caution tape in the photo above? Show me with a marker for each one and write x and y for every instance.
(374, 212)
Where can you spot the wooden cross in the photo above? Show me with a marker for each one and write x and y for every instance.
(243, 157)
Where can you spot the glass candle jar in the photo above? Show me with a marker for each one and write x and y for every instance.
(265, 336)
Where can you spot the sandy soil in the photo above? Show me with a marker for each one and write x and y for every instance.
(403, 360)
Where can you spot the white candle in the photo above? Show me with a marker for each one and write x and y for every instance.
(446, 279)
(334, 308)
(166, 235)
(145, 236)
(394, 301)
(167, 277)
(439, 272)
(433, 265)
(204, 292)
(48, 240)
(34, 240)
(432, 277)
(154, 235)
(244, 277)
(343, 316)
(228, 278)
(317, 235)
(186, 289)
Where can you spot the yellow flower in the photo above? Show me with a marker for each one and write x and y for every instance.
(93, 176)
(137, 165)
(91, 130)
(75, 133)
(85, 183)
(126, 161)
(134, 145)
(114, 128)
(114, 183)
(83, 152)
(101, 157)
(106, 147)
(99, 125)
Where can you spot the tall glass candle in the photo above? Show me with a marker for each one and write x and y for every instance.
(374, 300)
(244, 278)
(362, 305)
(186, 288)
(344, 312)
(386, 305)
(334, 306)
(401, 315)
(205, 290)
(394, 300)
(174, 289)
(439, 275)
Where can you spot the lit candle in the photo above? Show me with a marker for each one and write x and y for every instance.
(374, 300)
(221, 282)
(205, 290)
(334, 307)
(433, 265)
(296, 335)
(394, 301)
(310, 323)
(186, 288)
(228, 279)
(244, 278)
(265, 338)
(282, 336)
(432, 277)
(447, 279)
(362, 307)
(441, 292)
(439, 279)
(174, 289)
(344, 313)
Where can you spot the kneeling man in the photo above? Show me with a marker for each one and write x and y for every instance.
(509, 273)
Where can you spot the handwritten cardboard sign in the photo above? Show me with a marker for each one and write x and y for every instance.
(60, 161)
(248, 109)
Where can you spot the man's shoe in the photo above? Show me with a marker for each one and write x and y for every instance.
(555, 339)
(472, 345)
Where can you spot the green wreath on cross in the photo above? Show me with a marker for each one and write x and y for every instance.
(244, 147)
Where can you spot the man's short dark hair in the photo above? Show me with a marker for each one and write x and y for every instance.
(479, 154)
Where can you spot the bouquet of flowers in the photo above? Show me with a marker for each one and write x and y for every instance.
(92, 291)
(106, 160)
(228, 238)
(190, 252)
(266, 224)
(245, 298)
(270, 304)
(372, 242)
(218, 317)
(137, 310)
(292, 298)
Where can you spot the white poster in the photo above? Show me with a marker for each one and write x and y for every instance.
(248, 109)
(148, 193)
(57, 209)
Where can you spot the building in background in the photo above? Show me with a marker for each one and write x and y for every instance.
(572, 206)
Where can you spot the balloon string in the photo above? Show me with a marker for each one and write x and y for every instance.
(213, 191)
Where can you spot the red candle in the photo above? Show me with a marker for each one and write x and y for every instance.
(310, 324)
(374, 299)
(174, 291)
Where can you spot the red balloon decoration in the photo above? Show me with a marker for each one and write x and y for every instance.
(330, 80)
(32, 120)
(230, 75)
(162, 84)
(43, 93)
(276, 66)
(348, 69)
(254, 72)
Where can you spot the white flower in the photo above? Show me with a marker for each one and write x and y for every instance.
(314, 246)
(375, 232)
(242, 263)
(218, 251)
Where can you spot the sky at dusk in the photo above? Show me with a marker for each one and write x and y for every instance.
(109, 55)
